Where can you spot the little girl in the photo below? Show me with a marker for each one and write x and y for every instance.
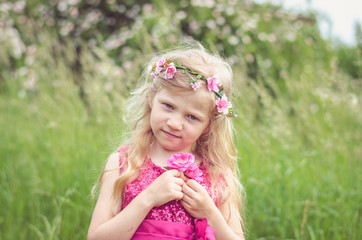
(182, 109)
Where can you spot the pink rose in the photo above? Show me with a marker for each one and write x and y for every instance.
(185, 162)
(159, 69)
(213, 84)
(153, 75)
(194, 172)
(195, 85)
(161, 62)
(223, 105)
(160, 65)
(170, 71)
(181, 161)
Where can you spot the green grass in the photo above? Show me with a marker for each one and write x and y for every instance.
(301, 161)
(49, 151)
(300, 151)
(52, 150)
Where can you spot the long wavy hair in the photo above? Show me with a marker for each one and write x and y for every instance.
(216, 146)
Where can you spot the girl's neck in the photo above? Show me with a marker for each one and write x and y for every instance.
(159, 155)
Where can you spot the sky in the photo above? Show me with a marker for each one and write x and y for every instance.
(342, 14)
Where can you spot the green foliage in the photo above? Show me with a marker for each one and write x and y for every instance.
(262, 36)
(66, 68)
(350, 60)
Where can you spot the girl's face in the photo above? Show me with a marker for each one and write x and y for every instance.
(179, 117)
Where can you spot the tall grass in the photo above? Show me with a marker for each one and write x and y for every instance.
(300, 158)
(52, 148)
(300, 149)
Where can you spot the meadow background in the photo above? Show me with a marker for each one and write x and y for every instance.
(66, 67)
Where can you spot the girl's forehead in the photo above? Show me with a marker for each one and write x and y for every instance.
(200, 98)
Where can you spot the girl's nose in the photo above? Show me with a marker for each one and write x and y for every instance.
(175, 123)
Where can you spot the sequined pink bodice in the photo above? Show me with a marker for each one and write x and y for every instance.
(172, 211)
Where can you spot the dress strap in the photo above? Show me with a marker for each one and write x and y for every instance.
(122, 155)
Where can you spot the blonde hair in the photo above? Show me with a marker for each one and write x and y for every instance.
(215, 146)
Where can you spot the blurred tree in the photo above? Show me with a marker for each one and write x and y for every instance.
(350, 57)
(358, 33)
(263, 39)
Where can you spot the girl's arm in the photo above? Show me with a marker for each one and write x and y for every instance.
(199, 204)
(105, 225)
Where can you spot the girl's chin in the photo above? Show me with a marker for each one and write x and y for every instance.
(174, 149)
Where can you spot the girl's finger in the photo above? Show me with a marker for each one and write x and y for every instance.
(187, 199)
(178, 188)
(174, 172)
(183, 177)
(178, 195)
(179, 181)
(185, 204)
(188, 191)
(194, 185)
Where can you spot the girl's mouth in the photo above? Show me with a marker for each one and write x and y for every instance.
(170, 134)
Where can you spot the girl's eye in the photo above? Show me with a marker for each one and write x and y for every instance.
(192, 117)
(168, 106)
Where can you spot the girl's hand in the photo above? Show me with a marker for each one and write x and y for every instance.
(196, 200)
(167, 187)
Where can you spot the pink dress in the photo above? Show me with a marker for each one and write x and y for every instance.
(169, 221)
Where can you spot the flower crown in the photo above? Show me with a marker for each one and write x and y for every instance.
(213, 83)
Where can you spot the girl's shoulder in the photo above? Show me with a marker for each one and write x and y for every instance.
(117, 158)
(112, 161)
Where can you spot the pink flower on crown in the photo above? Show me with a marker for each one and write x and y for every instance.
(159, 69)
(213, 84)
(223, 105)
(195, 85)
(170, 71)
(160, 65)
(153, 75)
(161, 62)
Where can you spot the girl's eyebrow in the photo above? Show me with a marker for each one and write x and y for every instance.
(165, 99)
(198, 113)
(197, 109)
